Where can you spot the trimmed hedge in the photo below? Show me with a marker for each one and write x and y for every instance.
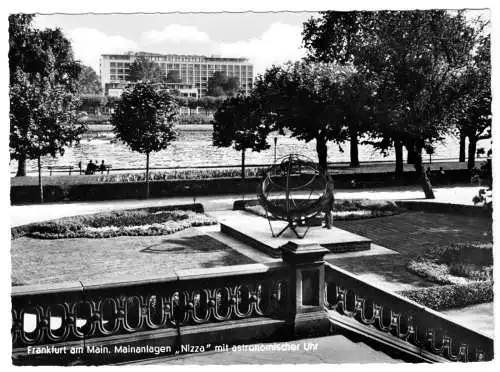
(452, 296)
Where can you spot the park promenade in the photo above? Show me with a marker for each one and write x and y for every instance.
(348, 350)
(24, 214)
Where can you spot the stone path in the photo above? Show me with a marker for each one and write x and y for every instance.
(410, 234)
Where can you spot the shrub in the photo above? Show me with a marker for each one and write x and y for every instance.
(434, 272)
(452, 296)
(472, 271)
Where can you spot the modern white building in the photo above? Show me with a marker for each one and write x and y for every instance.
(193, 71)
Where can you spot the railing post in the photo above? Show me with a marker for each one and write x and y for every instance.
(307, 313)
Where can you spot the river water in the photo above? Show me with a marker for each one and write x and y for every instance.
(194, 148)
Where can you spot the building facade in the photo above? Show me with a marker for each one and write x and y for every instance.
(192, 71)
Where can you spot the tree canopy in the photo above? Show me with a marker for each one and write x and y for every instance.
(89, 82)
(42, 92)
(144, 120)
(301, 97)
(173, 77)
(142, 69)
(474, 106)
(221, 85)
(413, 57)
(238, 122)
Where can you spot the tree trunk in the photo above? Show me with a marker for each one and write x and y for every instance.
(461, 151)
(147, 175)
(354, 148)
(40, 185)
(322, 151)
(471, 156)
(243, 164)
(398, 146)
(412, 154)
(419, 167)
(21, 166)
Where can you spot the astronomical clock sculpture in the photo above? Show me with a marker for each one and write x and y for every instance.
(296, 191)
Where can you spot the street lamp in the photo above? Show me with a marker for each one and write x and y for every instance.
(275, 141)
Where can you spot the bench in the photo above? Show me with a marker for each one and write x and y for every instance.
(108, 168)
(60, 168)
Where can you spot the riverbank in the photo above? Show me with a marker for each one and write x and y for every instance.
(59, 178)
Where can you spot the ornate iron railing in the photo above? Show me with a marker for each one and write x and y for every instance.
(406, 323)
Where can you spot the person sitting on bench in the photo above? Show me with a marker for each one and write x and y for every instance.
(91, 168)
(102, 168)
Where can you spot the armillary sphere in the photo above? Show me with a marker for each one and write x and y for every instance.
(295, 190)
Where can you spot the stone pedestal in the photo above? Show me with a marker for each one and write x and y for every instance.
(307, 314)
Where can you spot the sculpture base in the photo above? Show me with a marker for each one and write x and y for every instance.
(254, 231)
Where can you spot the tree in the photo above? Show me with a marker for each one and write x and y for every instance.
(221, 85)
(238, 121)
(89, 82)
(142, 69)
(474, 106)
(300, 97)
(42, 119)
(354, 101)
(43, 59)
(413, 58)
(173, 77)
(144, 120)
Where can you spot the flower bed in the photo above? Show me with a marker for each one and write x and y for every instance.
(112, 224)
(452, 296)
(348, 209)
(455, 264)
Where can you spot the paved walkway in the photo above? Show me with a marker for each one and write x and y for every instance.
(410, 234)
(330, 350)
(24, 214)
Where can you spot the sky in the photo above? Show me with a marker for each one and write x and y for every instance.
(265, 38)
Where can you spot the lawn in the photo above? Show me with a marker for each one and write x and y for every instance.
(49, 261)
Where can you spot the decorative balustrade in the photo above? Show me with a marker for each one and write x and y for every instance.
(193, 297)
(300, 297)
(406, 323)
